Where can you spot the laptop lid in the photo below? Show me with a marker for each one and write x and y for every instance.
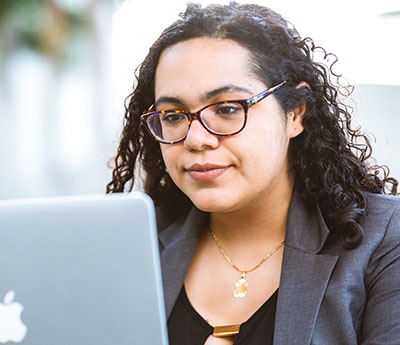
(80, 271)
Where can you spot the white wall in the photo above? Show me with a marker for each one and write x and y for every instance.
(378, 112)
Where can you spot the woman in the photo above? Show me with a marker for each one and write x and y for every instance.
(273, 228)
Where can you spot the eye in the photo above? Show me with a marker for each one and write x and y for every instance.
(228, 109)
(172, 118)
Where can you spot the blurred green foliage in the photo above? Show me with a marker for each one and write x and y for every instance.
(42, 26)
(391, 14)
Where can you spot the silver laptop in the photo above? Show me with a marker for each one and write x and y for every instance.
(80, 271)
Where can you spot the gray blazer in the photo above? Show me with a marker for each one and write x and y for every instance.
(327, 295)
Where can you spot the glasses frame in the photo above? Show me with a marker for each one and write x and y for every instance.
(246, 104)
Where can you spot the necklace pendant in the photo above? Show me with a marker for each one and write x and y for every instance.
(241, 286)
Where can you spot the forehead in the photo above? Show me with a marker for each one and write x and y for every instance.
(202, 64)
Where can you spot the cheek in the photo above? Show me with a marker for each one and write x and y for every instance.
(266, 148)
(267, 136)
(165, 155)
(170, 155)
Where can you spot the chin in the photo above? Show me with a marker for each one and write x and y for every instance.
(213, 204)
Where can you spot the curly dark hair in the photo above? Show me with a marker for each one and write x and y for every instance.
(328, 159)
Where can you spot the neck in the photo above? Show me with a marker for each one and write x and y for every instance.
(261, 223)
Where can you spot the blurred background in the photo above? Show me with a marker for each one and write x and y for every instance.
(66, 67)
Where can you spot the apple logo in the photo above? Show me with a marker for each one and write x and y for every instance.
(11, 326)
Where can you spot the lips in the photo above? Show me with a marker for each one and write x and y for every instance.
(206, 172)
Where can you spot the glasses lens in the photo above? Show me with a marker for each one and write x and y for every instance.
(221, 118)
(224, 118)
(168, 126)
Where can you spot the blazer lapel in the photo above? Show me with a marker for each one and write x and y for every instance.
(178, 243)
(305, 274)
(303, 284)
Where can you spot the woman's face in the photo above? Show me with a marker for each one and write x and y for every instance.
(223, 174)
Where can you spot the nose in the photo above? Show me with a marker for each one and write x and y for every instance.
(198, 138)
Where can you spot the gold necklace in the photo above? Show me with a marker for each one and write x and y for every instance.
(242, 283)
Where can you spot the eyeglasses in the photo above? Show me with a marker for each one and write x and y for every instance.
(222, 118)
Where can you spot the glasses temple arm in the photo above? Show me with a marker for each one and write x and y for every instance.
(266, 93)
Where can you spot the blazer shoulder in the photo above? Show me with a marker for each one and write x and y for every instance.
(381, 207)
(376, 200)
(381, 222)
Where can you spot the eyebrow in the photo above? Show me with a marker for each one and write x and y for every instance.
(205, 97)
(227, 88)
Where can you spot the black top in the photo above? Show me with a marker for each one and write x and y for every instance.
(187, 327)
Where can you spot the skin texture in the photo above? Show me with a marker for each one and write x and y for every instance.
(246, 186)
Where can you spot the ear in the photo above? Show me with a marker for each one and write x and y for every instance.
(295, 118)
